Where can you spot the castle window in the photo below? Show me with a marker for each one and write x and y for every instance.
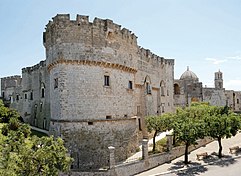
(31, 95)
(176, 89)
(90, 123)
(237, 101)
(125, 115)
(44, 123)
(106, 80)
(3, 94)
(147, 84)
(25, 96)
(17, 97)
(42, 92)
(130, 85)
(108, 117)
(163, 107)
(41, 107)
(162, 88)
(55, 83)
(148, 88)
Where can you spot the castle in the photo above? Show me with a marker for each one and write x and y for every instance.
(93, 89)
(97, 84)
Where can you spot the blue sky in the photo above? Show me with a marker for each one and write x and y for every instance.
(202, 34)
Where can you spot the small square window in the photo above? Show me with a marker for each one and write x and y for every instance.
(90, 123)
(130, 85)
(108, 117)
(106, 80)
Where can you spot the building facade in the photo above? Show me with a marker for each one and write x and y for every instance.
(188, 89)
(93, 89)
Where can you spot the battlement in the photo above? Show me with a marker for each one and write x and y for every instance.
(147, 55)
(104, 25)
(35, 67)
(11, 77)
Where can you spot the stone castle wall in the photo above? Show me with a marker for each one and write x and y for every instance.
(80, 54)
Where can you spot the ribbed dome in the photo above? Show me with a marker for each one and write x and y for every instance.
(189, 75)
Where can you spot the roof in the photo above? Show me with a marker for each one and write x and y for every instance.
(189, 75)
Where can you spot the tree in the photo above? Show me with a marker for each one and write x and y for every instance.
(21, 154)
(188, 129)
(7, 113)
(158, 124)
(222, 123)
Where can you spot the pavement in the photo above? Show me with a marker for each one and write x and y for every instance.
(204, 166)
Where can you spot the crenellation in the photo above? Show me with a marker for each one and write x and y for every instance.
(82, 19)
(61, 17)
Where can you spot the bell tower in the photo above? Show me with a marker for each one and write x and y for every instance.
(218, 80)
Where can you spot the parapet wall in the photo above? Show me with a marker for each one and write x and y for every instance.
(100, 40)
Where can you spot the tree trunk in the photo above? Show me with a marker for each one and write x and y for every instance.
(220, 147)
(186, 153)
(154, 142)
(174, 139)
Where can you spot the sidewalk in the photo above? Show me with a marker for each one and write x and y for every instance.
(211, 149)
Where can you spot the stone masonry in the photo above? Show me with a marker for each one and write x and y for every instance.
(94, 88)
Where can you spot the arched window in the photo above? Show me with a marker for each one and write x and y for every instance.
(162, 86)
(176, 89)
(42, 90)
(147, 83)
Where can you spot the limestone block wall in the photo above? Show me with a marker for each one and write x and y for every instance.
(88, 141)
(82, 95)
(214, 96)
(32, 100)
(97, 72)
(9, 86)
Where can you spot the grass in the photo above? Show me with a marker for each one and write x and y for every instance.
(161, 146)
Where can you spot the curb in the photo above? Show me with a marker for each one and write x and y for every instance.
(206, 164)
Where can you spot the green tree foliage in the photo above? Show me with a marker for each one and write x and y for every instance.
(7, 113)
(188, 127)
(158, 124)
(23, 155)
(222, 123)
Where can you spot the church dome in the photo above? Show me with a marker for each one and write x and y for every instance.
(189, 75)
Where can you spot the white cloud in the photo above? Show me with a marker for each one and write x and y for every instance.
(216, 61)
(234, 84)
(235, 57)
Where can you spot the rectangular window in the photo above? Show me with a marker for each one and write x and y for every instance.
(17, 97)
(130, 85)
(42, 92)
(237, 101)
(41, 107)
(3, 94)
(90, 123)
(31, 95)
(163, 107)
(107, 80)
(25, 96)
(148, 88)
(108, 117)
